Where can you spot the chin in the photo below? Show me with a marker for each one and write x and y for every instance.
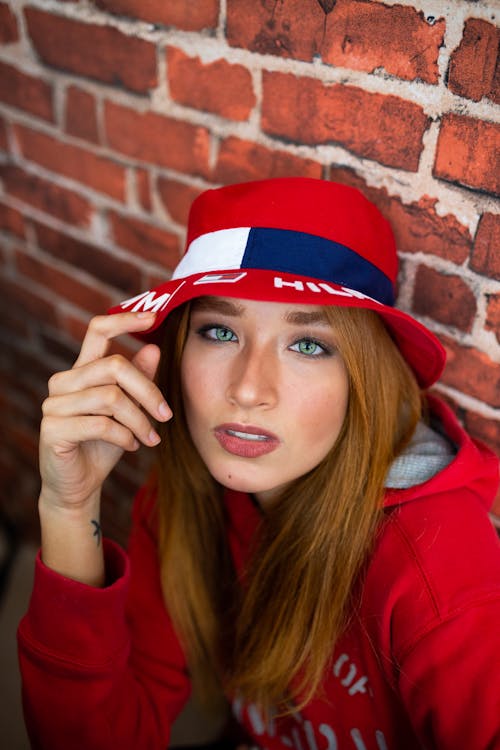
(242, 482)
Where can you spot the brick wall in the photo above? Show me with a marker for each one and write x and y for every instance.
(114, 114)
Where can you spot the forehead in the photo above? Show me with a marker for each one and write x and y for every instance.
(295, 314)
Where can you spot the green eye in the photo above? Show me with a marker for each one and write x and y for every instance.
(223, 334)
(309, 347)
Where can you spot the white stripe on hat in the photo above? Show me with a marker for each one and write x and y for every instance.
(214, 251)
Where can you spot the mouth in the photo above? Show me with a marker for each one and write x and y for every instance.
(246, 441)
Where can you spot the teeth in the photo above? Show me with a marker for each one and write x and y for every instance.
(246, 435)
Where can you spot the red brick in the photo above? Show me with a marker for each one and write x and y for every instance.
(219, 87)
(240, 160)
(485, 429)
(355, 34)
(14, 326)
(25, 92)
(417, 226)
(468, 153)
(31, 370)
(62, 284)
(24, 303)
(446, 298)
(8, 25)
(4, 143)
(160, 140)
(485, 257)
(81, 114)
(474, 62)
(11, 220)
(25, 443)
(142, 179)
(195, 16)
(177, 198)
(471, 371)
(75, 328)
(493, 315)
(54, 346)
(99, 52)
(97, 172)
(150, 243)
(384, 128)
(65, 204)
(115, 272)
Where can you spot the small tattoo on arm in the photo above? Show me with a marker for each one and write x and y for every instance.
(97, 531)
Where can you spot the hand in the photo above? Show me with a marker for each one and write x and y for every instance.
(96, 411)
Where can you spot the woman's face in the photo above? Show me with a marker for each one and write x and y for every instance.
(265, 391)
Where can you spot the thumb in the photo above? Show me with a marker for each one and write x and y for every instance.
(147, 360)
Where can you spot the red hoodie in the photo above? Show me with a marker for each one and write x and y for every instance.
(419, 666)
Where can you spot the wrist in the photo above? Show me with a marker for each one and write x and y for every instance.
(72, 539)
(53, 503)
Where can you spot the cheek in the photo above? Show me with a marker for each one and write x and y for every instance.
(198, 387)
(325, 410)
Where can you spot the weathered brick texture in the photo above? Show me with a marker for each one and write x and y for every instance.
(217, 87)
(8, 25)
(239, 160)
(99, 52)
(383, 128)
(156, 139)
(148, 242)
(472, 370)
(96, 261)
(447, 299)
(81, 114)
(12, 221)
(468, 152)
(486, 254)
(493, 315)
(202, 14)
(115, 114)
(71, 161)
(60, 202)
(474, 71)
(3, 136)
(25, 91)
(354, 34)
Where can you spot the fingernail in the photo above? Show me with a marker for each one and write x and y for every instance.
(149, 314)
(164, 410)
(154, 438)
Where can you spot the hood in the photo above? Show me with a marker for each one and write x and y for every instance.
(442, 459)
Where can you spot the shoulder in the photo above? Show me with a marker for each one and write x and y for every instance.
(436, 558)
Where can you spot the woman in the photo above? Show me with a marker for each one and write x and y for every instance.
(314, 542)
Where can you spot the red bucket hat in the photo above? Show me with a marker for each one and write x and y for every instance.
(295, 240)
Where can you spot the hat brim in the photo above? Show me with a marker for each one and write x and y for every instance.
(420, 348)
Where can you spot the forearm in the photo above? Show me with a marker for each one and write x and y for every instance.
(71, 540)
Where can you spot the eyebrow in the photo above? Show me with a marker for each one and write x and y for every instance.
(303, 318)
(227, 307)
(216, 304)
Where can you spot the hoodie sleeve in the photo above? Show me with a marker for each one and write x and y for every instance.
(445, 617)
(102, 668)
(450, 681)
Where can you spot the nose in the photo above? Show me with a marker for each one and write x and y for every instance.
(253, 378)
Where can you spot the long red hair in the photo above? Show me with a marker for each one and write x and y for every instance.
(316, 536)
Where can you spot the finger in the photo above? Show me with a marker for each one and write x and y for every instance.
(106, 400)
(63, 433)
(103, 328)
(113, 370)
(147, 360)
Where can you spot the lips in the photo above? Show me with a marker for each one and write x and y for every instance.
(246, 441)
